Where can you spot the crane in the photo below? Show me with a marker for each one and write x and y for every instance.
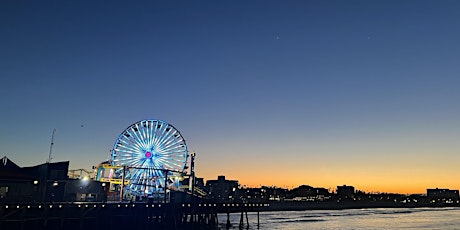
(51, 146)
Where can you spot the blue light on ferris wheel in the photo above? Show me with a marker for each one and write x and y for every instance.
(149, 149)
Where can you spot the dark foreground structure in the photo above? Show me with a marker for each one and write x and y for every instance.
(48, 182)
(90, 215)
(121, 215)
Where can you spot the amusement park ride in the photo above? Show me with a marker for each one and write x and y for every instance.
(148, 160)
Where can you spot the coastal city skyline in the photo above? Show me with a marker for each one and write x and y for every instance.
(322, 93)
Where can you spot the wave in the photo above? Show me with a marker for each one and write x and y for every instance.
(366, 212)
(336, 215)
(313, 216)
(358, 212)
(303, 220)
(280, 218)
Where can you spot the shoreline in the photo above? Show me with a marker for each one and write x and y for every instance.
(334, 205)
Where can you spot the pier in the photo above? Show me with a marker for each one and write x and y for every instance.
(86, 215)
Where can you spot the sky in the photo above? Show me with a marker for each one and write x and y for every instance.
(277, 93)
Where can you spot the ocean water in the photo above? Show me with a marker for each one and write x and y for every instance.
(379, 218)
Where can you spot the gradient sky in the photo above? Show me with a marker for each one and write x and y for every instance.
(284, 93)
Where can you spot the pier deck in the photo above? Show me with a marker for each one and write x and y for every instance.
(85, 215)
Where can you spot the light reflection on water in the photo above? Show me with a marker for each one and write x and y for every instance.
(383, 218)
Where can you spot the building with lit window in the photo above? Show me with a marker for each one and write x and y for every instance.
(46, 182)
(308, 193)
(438, 195)
(222, 190)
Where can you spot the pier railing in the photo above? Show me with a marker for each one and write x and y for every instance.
(108, 215)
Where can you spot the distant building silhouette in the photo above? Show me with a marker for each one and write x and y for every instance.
(346, 192)
(309, 193)
(251, 194)
(222, 190)
(275, 193)
(442, 195)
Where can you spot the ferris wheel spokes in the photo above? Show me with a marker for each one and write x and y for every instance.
(154, 151)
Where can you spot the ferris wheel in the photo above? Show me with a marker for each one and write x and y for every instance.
(153, 153)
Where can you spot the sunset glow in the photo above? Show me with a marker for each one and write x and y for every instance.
(274, 93)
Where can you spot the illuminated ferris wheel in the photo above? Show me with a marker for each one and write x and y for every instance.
(153, 153)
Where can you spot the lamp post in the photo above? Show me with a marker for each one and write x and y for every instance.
(122, 183)
(192, 173)
(166, 172)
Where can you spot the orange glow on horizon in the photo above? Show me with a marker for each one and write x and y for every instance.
(402, 173)
(362, 186)
(408, 183)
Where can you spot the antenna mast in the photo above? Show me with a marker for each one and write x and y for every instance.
(51, 146)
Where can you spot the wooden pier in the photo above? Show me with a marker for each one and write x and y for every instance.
(85, 215)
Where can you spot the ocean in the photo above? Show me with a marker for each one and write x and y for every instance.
(378, 218)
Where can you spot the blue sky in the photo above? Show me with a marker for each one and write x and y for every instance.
(288, 92)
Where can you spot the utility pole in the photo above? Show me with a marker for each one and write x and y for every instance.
(192, 183)
(192, 174)
(166, 172)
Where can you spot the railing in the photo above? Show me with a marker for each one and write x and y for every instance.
(83, 215)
